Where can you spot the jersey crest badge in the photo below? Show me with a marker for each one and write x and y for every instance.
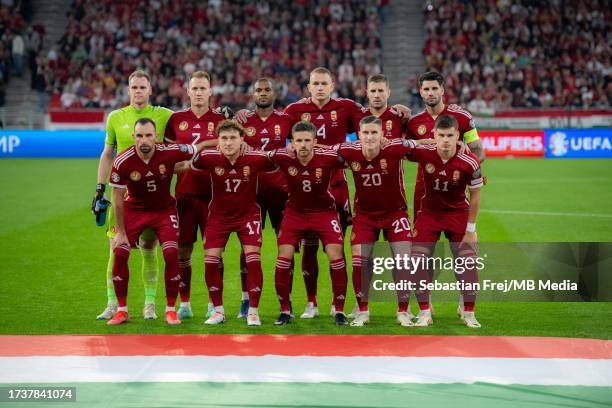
(135, 176)
(422, 130)
(211, 127)
(115, 177)
(356, 166)
(334, 116)
(162, 169)
(219, 171)
(292, 171)
(183, 125)
(319, 172)
(277, 130)
(246, 171)
(430, 168)
(250, 131)
(383, 164)
(389, 125)
(456, 176)
(306, 116)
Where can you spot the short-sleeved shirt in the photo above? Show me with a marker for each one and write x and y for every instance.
(393, 125)
(268, 134)
(120, 124)
(234, 186)
(185, 127)
(421, 125)
(445, 182)
(379, 183)
(309, 184)
(148, 183)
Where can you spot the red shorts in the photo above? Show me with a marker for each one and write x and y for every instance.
(341, 198)
(193, 213)
(324, 224)
(218, 231)
(271, 197)
(164, 222)
(430, 224)
(395, 227)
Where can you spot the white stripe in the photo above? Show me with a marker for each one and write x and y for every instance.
(422, 370)
(123, 157)
(468, 160)
(547, 213)
(117, 185)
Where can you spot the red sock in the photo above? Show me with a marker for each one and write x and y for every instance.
(243, 273)
(339, 281)
(281, 282)
(255, 278)
(468, 306)
(172, 274)
(310, 268)
(185, 285)
(214, 279)
(423, 305)
(291, 270)
(361, 290)
(121, 273)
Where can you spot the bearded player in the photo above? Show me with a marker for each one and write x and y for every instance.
(119, 131)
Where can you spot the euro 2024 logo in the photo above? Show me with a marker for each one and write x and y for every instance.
(558, 144)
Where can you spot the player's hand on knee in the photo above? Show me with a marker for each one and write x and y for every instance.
(470, 238)
(119, 239)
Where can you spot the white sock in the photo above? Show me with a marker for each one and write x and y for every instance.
(220, 309)
(185, 304)
(245, 295)
(253, 310)
(170, 309)
(122, 309)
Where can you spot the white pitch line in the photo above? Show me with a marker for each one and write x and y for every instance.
(547, 213)
(557, 180)
(270, 368)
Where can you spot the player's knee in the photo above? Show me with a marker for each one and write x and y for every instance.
(170, 251)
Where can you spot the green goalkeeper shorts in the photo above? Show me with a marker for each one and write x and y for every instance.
(147, 234)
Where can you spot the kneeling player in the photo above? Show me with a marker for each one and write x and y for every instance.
(444, 207)
(145, 170)
(233, 209)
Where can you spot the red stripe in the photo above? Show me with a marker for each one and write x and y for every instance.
(312, 345)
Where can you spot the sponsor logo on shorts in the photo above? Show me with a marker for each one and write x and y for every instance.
(430, 168)
(422, 130)
(115, 177)
(183, 125)
(135, 176)
(292, 171)
(219, 171)
(389, 125)
(356, 166)
(250, 131)
(162, 169)
(456, 175)
(211, 127)
(306, 116)
(277, 130)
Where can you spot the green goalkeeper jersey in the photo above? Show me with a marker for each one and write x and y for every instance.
(120, 124)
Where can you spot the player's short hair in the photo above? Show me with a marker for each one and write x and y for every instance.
(229, 124)
(200, 74)
(139, 73)
(370, 119)
(303, 126)
(144, 121)
(431, 76)
(265, 79)
(378, 78)
(446, 122)
(322, 70)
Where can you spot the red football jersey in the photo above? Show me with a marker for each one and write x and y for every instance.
(392, 124)
(379, 183)
(148, 183)
(309, 185)
(268, 134)
(185, 127)
(234, 186)
(421, 125)
(333, 121)
(445, 182)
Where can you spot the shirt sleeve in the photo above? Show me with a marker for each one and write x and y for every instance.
(201, 160)
(117, 180)
(164, 117)
(185, 152)
(111, 136)
(476, 178)
(170, 136)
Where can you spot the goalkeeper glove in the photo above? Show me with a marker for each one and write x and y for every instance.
(100, 188)
(226, 111)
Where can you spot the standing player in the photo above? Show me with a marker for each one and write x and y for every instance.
(119, 128)
(193, 189)
(145, 171)
(266, 129)
(445, 208)
(380, 205)
(233, 208)
(310, 210)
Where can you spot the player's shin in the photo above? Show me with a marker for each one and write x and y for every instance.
(360, 282)
(310, 268)
(214, 279)
(467, 275)
(339, 283)
(110, 288)
(150, 269)
(419, 255)
(172, 276)
(185, 285)
(244, 276)
(254, 278)
(121, 275)
(281, 282)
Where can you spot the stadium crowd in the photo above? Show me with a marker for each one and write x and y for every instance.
(234, 41)
(520, 54)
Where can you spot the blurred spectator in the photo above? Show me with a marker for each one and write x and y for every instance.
(522, 53)
(235, 41)
(18, 53)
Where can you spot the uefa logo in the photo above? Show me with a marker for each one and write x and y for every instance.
(558, 144)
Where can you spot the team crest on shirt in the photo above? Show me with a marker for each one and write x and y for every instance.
(456, 176)
(334, 116)
(162, 169)
(219, 171)
(246, 171)
(306, 116)
(250, 131)
(277, 130)
(383, 164)
(422, 130)
(183, 125)
(292, 171)
(319, 172)
(430, 168)
(211, 127)
(389, 125)
(135, 176)
(115, 177)
(356, 166)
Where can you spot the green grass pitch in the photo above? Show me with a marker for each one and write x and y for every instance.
(53, 256)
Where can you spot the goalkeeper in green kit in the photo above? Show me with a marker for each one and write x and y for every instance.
(119, 129)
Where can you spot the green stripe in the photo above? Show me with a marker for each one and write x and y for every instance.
(329, 395)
